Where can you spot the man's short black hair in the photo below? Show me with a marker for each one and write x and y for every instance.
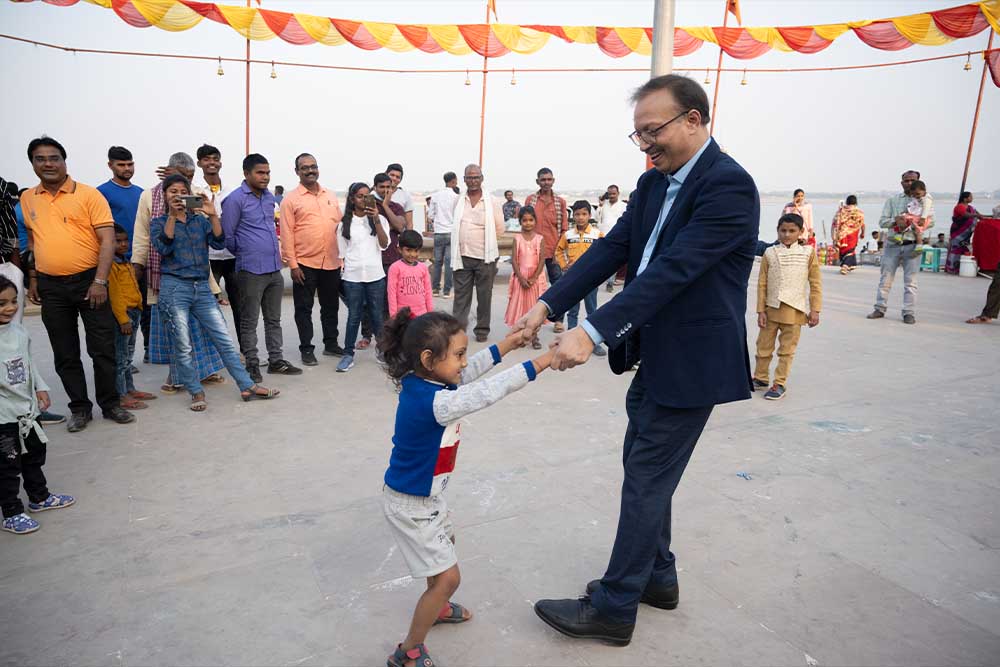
(450, 176)
(252, 160)
(45, 141)
(688, 93)
(302, 155)
(793, 218)
(615, 187)
(395, 166)
(508, 192)
(543, 171)
(119, 153)
(910, 171)
(581, 204)
(207, 149)
(852, 200)
(381, 177)
(411, 238)
(279, 189)
(120, 230)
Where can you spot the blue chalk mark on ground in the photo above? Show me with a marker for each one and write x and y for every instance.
(838, 427)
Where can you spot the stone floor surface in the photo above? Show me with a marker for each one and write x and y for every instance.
(866, 534)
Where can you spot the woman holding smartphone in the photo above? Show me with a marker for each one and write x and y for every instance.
(361, 237)
(182, 237)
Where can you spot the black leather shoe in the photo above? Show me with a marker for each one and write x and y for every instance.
(309, 359)
(335, 351)
(909, 319)
(875, 315)
(119, 415)
(661, 598)
(579, 619)
(78, 421)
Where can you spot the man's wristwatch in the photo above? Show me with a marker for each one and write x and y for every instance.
(102, 283)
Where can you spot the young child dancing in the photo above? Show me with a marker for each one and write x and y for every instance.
(788, 286)
(426, 359)
(527, 279)
(126, 304)
(919, 216)
(23, 395)
(409, 279)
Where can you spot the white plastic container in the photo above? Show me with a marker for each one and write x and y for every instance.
(967, 267)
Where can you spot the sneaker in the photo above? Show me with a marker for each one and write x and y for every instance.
(51, 418)
(308, 359)
(875, 315)
(78, 421)
(335, 351)
(758, 384)
(53, 502)
(282, 367)
(253, 370)
(436, 292)
(599, 351)
(775, 393)
(346, 363)
(909, 319)
(446, 295)
(119, 415)
(20, 524)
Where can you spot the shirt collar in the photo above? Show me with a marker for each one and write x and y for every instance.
(69, 185)
(246, 189)
(303, 190)
(684, 171)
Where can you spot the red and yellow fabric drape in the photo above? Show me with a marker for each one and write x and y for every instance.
(928, 29)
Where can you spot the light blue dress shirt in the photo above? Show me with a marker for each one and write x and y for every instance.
(676, 181)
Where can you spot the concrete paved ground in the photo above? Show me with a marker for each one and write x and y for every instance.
(253, 535)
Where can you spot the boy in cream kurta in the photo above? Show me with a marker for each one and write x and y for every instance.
(788, 284)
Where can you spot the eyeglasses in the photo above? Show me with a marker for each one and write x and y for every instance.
(640, 137)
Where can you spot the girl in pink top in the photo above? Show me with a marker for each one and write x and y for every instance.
(527, 281)
(409, 279)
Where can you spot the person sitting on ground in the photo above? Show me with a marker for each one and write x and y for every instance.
(527, 278)
(126, 304)
(182, 238)
(941, 241)
(787, 271)
(23, 394)
(576, 241)
(426, 359)
(409, 279)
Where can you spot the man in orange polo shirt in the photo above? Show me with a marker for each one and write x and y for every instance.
(309, 217)
(72, 237)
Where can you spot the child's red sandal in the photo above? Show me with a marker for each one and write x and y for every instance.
(418, 654)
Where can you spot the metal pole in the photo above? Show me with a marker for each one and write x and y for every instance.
(246, 117)
(663, 38)
(718, 74)
(482, 108)
(975, 117)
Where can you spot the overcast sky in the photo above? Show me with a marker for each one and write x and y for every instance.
(828, 131)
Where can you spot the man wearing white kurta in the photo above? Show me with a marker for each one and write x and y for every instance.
(474, 250)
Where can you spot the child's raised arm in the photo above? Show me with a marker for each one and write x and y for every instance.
(483, 361)
(450, 406)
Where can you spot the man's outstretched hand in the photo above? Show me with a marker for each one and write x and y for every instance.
(571, 349)
(531, 322)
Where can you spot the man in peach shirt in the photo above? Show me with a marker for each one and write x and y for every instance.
(309, 217)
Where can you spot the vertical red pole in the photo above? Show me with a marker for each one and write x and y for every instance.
(482, 108)
(975, 117)
(247, 90)
(718, 73)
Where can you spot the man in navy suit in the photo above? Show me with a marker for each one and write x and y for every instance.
(688, 236)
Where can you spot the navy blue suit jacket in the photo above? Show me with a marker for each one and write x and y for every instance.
(685, 316)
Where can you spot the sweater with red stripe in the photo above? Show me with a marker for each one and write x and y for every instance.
(425, 443)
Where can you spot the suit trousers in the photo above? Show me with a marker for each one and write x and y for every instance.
(659, 442)
(326, 282)
(479, 274)
(787, 343)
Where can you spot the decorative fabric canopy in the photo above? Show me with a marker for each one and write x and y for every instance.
(928, 29)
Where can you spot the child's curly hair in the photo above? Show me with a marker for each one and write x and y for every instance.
(404, 338)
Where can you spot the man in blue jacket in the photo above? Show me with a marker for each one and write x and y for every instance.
(688, 236)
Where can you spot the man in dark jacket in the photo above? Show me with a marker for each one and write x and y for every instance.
(688, 236)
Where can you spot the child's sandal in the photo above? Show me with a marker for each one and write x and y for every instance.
(418, 654)
(453, 613)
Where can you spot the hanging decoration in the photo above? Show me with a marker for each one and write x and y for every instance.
(497, 39)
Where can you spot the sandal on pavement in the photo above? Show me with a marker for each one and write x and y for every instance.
(979, 319)
(130, 403)
(142, 395)
(259, 393)
(453, 613)
(417, 654)
(198, 403)
(559, 327)
(214, 378)
(171, 388)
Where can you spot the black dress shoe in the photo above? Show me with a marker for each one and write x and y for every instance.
(579, 619)
(335, 351)
(309, 359)
(655, 596)
(78, 421)
(119, 415)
